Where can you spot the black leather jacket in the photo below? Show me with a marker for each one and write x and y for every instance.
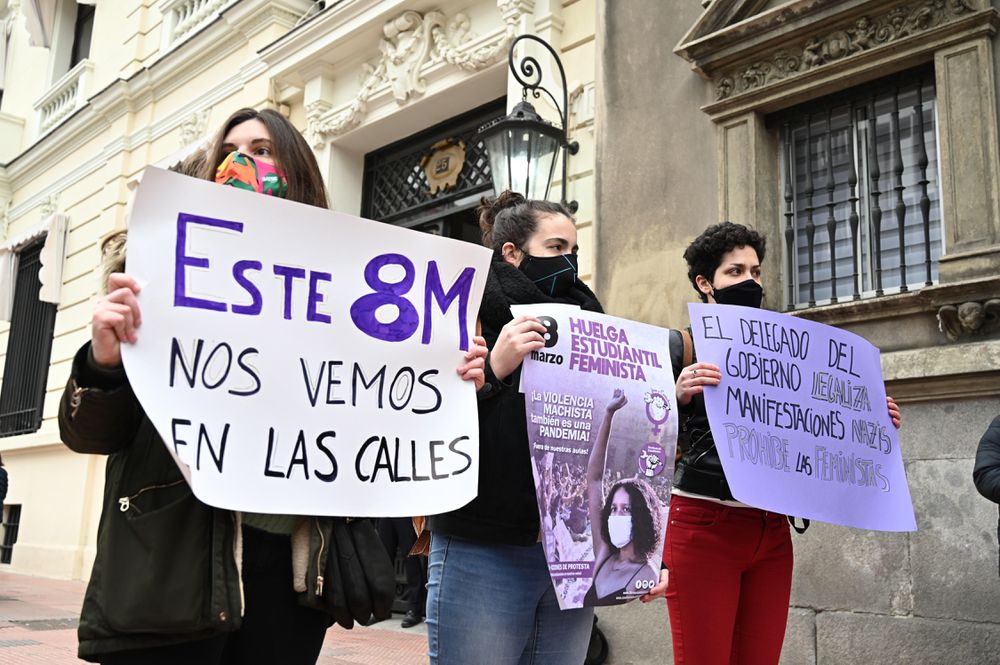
(986, 473)
(699, 469)
(165, 570)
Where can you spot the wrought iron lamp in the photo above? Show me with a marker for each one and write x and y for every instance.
(524, 148)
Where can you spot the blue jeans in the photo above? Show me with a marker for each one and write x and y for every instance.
(495, 605)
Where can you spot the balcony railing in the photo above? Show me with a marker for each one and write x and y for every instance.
(63, 99)
(182, 18)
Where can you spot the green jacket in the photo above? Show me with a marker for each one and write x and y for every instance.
(165, 570)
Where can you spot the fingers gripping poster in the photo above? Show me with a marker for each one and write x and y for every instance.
(602, 425)
(800, 418)
(301, 361)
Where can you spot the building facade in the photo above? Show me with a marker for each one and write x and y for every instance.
(95, 91)
(861, 137)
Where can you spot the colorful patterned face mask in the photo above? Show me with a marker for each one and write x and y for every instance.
(239, 170)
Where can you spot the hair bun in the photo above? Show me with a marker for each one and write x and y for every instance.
(490, 208)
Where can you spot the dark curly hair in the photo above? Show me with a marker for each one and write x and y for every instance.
(704, 255)
(512, 218)
(646, 521)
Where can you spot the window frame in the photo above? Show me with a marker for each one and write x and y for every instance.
(863, 251)
(17, 378)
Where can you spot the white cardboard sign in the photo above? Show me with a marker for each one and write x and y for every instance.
(301, 361)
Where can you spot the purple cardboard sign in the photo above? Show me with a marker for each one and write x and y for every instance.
(602, 422)
(800, 418)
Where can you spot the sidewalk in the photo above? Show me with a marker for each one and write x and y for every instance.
(38, 618)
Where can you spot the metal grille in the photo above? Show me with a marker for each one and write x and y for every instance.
(28, 347)
(395, 185)
(862, 206)
(10, 528)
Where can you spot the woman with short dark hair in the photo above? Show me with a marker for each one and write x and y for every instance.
(730, 564)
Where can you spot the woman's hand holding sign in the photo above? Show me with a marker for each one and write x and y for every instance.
(473, 370)
(894, 412)
(693, 380)
(115, 320)
(517, 339)
(660, 589)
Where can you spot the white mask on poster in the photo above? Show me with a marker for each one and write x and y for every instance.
(620, 530)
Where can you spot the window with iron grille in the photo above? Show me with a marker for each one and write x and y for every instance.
(396, 186)
(29, 344)
(12, 513)
(862, 208)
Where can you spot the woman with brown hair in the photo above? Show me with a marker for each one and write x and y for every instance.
(167, 584)
(490, 600)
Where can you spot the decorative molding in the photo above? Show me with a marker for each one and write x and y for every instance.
(969, 318)
(50, 204)
(4, 220)
(863, 34)
(412, 43)
(194, 127)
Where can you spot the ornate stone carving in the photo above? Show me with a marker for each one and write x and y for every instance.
(969, 318)
(5, 220)
(49, 204)
(194, 127)
(411, 43)
(864, 34)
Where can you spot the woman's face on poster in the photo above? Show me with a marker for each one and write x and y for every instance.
(621, 503)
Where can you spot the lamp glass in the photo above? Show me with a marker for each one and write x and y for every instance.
(522, 159)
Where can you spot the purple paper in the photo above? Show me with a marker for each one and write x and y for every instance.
(800, 418)
(602, 422)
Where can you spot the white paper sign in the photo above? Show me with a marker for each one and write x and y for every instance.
(301, 361)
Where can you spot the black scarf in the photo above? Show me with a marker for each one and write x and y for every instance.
(506, 285)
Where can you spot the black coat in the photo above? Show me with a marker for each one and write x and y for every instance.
(699, 469)
(3, 485)
(165, 570)
(986, 473)
(505, 511)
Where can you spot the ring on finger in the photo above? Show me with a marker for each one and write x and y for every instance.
(694, 372)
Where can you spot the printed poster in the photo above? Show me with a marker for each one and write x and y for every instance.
(602, 425)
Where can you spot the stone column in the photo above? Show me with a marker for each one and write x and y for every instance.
(970, 182)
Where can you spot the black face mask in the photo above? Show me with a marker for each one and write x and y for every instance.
(747, 293)
(553, 275)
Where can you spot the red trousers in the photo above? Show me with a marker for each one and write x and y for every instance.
(730, 581)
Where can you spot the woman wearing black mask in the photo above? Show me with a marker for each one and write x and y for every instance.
(730, 565)
(490, 600)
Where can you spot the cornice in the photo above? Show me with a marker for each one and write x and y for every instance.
(55, 159)
(309, 41)
(851, 38)
(174, 69)
(714, 38)
(779, 64)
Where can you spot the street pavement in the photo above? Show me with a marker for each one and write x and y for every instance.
(38, 618)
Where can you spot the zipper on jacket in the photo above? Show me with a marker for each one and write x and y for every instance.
(125, 502)
(75, 399)
(319, 558)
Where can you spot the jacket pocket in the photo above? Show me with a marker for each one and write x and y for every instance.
(158, 562)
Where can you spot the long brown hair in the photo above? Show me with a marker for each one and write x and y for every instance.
(292, 155)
